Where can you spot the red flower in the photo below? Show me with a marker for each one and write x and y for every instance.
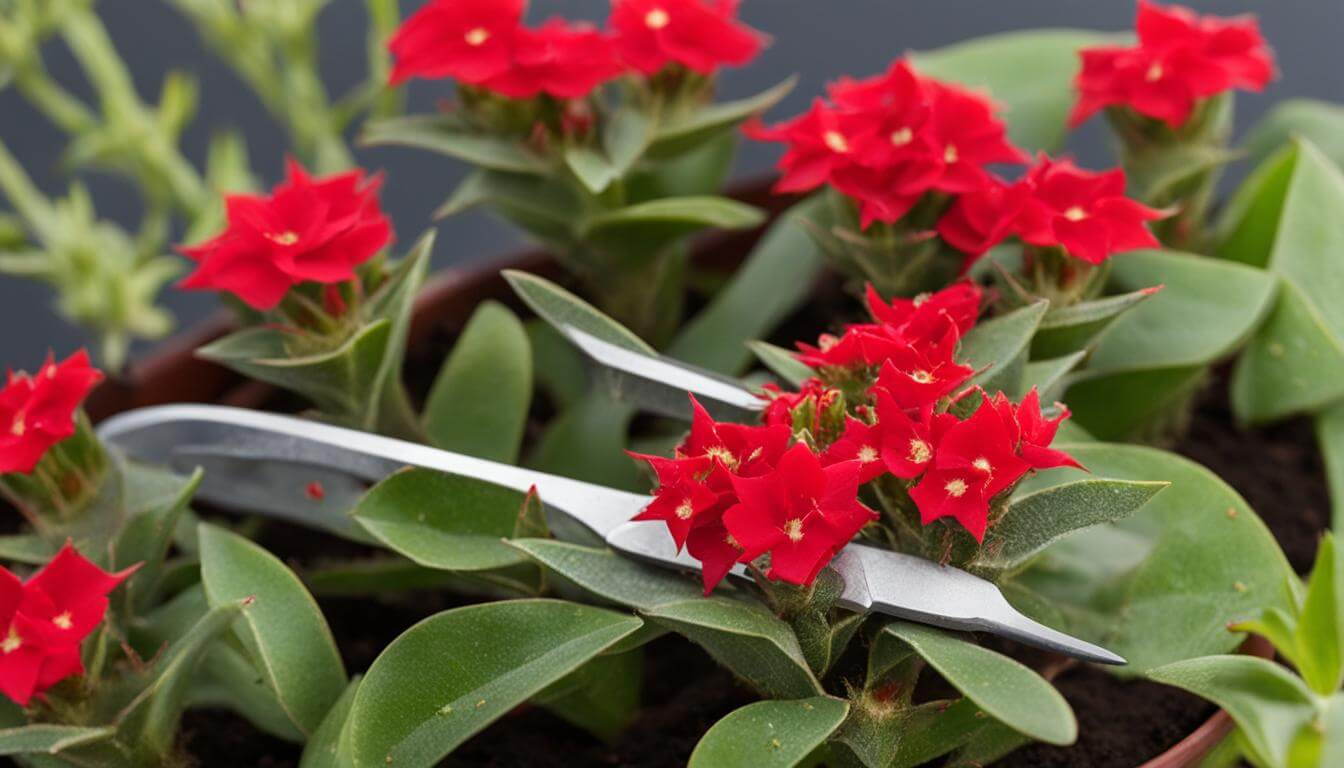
(926, 317)
(682, 496)
(918, 378)
(701, 35)
(1038, 432)
(907, 444)
(861, 443)
(783, 404)
(801, 513)
(307, 230)
(736, 449)
(967, 137)
(818, 146)
(1084, 212)
(468, 40)
(715, 548)
(38, 411)
(558, 59)
(982, 218)
(45, 620)
(1180, 58)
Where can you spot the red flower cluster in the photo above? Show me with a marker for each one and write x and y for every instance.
(1180, 59)
(307, 230)
(735, 492)
(38, 411)
(484, 43)
(886, 141)
(44, 620)
(1055, 204)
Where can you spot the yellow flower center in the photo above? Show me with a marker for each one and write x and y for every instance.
(920, 298)
(836, 141)
(794, 530)
(656, 19)
(1154, 73)
(685, 511)
(12, 641)
(921, 377)
(18, 427)
(1075, 214)
(63, 620)
(920, 452)
(288, 237)
(983, 465)
(955, 488)
(730, 541)
(722, 454)
(867, 454)
(476, 37)
(950, 154)
(902, 137)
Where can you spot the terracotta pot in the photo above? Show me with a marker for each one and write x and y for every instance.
(172, 374)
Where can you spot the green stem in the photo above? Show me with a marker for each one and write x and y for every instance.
(57, 104)
(28, 202)
(384, 16)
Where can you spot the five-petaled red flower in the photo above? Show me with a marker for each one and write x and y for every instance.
(468, 40)
(44, 620)
(37, 411)
(802, 513)
(306, 230)
(1180, 59)
(558, 59)
(701, 35)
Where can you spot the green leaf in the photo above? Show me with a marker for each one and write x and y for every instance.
(591, 167)
(26, 548)
(456, 672)
(558, 367)
(625, 137)
(1319, 122)
(1320, 625)
(479, 402)
(1001, 686)
(443, 521)
(1065, 330)
(49, 739)
(909, 736)
(1330, 435)
(776, 278)
(602, 696)
(588, 441)
(1250, 220)
(1158, 586)
(697, 126)
(1035, 520)
(997, 349)
(547, 208)
(283, 630)
(1030, 73)
(562, 308)
(747, 639)
(770, 733)
(609, 576)
(784, 363)
(147, 534)
(1291, 365)
(447, 137)
(660, 221)
(1047, 376)
(326, 747)
(1269, 704)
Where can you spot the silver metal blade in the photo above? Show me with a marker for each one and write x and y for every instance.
(660, 384)
(259, 453)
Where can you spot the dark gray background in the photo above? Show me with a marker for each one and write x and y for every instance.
(818, 39)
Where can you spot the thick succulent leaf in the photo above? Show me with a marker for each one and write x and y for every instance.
(608, 576)
(44, 739)
(155, 501)
(1330, 435)
(562, 308)
(997, 349)
(1048, 376)
(1270, 706)
(1320, 122)
(326, 748)
(442, 521)
(1004, 688)
(1320, 625)
(770, 733)
(446, 136)
(776, 278)
(747, 639)
(1029, 73)
(625, 136)
(557, 365)
(1037, 519)
(1291, 365)
(908, 737)
(588, 441)
(26, 548)
(1249, 221)
(602, 696)
(479, 402)
(652, 224)
(782, 362)
(676, 135)
(283, 629)
(545, 207)
(1133, 405)
(1158, 586)
(454, 673)
(591, 167)
(1066, 330)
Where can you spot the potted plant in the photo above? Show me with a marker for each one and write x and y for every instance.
(923, 427)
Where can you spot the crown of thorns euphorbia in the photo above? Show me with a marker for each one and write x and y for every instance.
(1180, 58)
(37, 411)
(1085, 212)
(468, 40)
(801, 513)
(701, 35)
(888, 140)
(47, 618)
(306, 230)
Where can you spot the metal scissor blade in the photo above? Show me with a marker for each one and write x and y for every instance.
(903, 586)
(286, 452)
(660, 384)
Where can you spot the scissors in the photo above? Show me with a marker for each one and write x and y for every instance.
(265, 462)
